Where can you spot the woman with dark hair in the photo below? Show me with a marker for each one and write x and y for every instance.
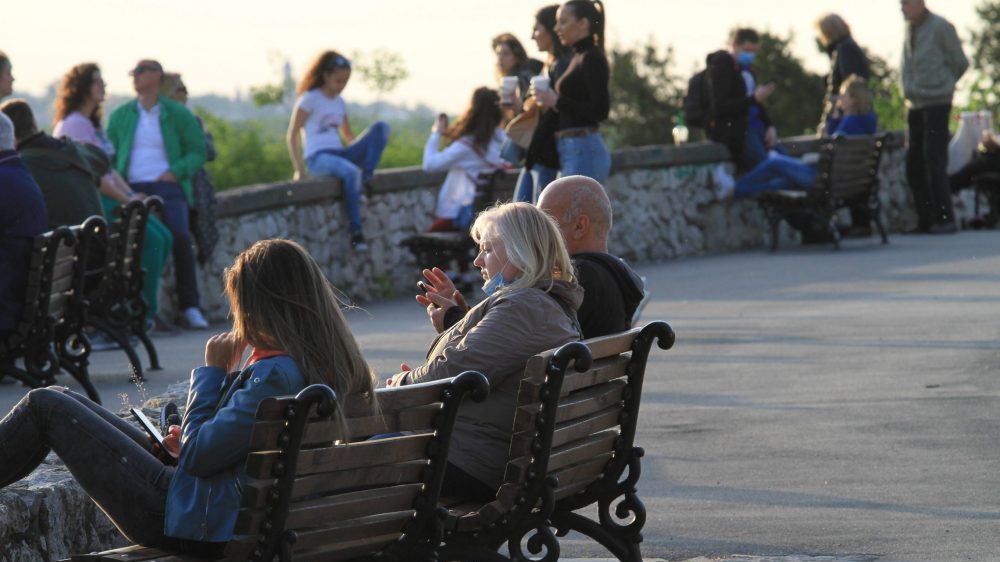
(541, 160)
(581, 94)
(512, 60)
(473, 149)
(331, 148)
(78, 115)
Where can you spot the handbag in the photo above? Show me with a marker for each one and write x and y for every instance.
(520, 130)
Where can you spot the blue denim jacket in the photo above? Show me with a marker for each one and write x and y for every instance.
(204, 496)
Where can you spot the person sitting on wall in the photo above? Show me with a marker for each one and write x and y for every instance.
(68, 173)
(612, 290)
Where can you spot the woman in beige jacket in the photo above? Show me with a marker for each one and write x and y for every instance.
(530, 308)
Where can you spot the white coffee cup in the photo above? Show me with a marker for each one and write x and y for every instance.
(540, 82)
(508, 89)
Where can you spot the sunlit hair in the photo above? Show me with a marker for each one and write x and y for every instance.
(532, 241)
(74, 91)
(592, 11)
(327, 61)
(831, 28)
(857, 87)
(546, 17)
(170, 83)
(4, 61)
(281, 300)
(480, 120)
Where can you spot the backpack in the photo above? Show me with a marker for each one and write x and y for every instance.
(696, 102)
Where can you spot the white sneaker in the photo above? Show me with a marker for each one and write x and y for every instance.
(194, 320)
(725, 185)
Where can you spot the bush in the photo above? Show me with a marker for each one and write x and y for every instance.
(246, 153)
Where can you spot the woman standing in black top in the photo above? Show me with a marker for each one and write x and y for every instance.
(580, 97)
(541, 161)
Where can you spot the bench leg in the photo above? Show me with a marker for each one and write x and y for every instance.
(154, 358)
(121, 338)
(775, 228)
(834, 232)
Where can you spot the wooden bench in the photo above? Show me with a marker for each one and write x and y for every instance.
(574, 433)
(439, 249)
(49, 336)
(114, 286)
(847, 172)
(314, 497)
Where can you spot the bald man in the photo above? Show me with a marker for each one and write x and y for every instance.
(612, 291)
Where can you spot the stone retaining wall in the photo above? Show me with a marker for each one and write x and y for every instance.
(664, 206)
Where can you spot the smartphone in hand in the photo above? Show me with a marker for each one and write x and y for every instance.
(148, 426)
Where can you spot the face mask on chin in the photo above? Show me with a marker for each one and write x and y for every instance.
(493, 284)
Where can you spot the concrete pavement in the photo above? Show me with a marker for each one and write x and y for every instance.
(818, 405)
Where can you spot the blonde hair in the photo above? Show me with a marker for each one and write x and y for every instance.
(170, 83)
(831, 28)
(857, 88)
(532, 241)
(281, 300)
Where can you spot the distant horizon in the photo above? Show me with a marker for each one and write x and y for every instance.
(445, 44)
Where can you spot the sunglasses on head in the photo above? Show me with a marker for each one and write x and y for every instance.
(140, 69)
(341, 62)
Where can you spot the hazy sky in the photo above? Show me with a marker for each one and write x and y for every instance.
(222, 46)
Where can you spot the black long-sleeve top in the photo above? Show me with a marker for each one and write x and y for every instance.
(846, 58)
(583, 90)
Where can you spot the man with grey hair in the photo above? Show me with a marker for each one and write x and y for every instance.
(612, 291)
(933, 62)
(22, 217)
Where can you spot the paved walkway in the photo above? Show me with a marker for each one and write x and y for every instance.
(819, 405)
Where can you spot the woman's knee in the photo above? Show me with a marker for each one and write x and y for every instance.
(380, 128)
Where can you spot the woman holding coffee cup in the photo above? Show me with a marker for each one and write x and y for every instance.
(541, 160)
(514, 70)
(580, 96)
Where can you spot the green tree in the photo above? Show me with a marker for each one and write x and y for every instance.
(247, 154)
(381, 71)
(797, 102)
(887, 94)
(986, 41)
(645, 96)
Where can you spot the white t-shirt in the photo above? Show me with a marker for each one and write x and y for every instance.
(148, 160)
(323, 124)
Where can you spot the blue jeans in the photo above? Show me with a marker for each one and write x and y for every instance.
(532, 181)
(353, 164)
(176, 215)
(754, 150)
(584, 156)
(777, 172)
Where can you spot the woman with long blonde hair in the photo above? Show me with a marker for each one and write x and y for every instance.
(284, 308)
(531, 303)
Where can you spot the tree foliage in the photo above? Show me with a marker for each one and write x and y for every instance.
(247, 154)
(986, 41)
(887, 95)
(381, 71)
(645, 96)
(797, 102)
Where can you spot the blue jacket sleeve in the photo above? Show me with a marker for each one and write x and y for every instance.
(214, 440)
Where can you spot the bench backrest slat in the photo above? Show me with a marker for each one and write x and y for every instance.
(350, 497)
(848, 166)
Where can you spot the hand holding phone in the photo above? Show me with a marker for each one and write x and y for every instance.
(155, 434)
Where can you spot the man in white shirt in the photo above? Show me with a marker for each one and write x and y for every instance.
(159, 147)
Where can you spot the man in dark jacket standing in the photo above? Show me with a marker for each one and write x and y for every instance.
(933, 61)
(67, 173)
(736, 114)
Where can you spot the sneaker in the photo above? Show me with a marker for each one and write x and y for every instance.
(169, 416)
(358, 242)
(193, 320)
(725, 185)
(99, 341)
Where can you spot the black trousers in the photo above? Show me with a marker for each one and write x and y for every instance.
(981, 163)
(927, 163)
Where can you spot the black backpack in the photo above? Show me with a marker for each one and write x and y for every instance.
(696, 102)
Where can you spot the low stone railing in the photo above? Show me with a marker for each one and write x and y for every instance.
(663, 201)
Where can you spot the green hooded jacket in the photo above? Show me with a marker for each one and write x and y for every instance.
(183, 138)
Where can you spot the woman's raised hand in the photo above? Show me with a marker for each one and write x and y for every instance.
(224, 351)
